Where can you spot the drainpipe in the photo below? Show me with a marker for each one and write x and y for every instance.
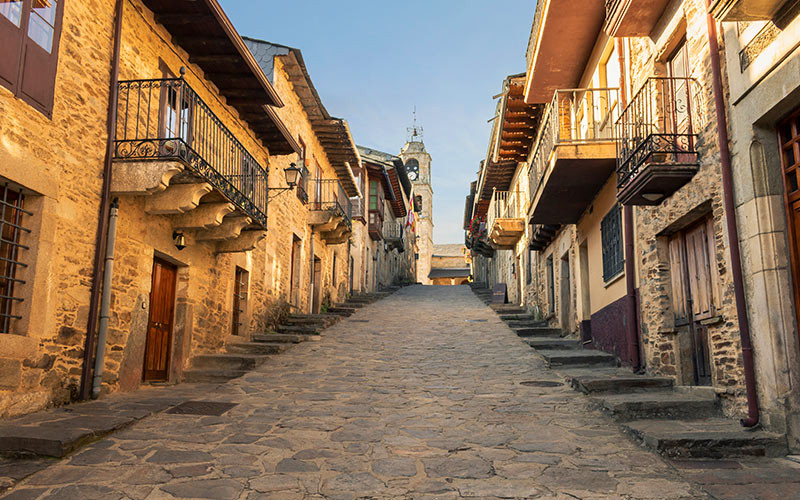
(105, 196)
(632, 327)
(733, 230)
(311, 276)
(108, 274)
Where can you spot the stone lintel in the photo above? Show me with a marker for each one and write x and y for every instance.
(229, 229)
(177, 198)
(137, 178)
(205, 216)
(246, 241)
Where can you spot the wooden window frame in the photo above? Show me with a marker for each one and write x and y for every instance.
(551, 284)
(40, 94)
(686, 272)
(791, 198)
(613, 247)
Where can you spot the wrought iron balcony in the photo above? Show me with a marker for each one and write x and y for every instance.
(328, 195)
(505, 219)
(657, 141)
(574, 154)
(165, 120)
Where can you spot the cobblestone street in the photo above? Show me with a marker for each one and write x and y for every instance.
(417, 396)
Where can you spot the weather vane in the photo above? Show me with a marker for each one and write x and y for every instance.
(414, 132)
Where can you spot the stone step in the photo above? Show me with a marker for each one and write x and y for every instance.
(614, 383)
(300, 329)
(578, 357)
(552, 343)
(537, 332)
(352, 305)
(256, 347)
(669, 403)
(706, 438)
(211, 376)
(341, 311)
(507, 308)
(227, 361)
(521, 317)
(531, 323)
(309, 321)
(282, 338)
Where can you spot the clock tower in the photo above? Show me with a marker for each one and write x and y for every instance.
(418, 165)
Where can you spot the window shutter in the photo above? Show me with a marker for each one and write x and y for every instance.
(676, 267)
(12, 18)
(40, 55)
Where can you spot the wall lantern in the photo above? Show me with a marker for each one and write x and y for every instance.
(292, 173)
(179, 239)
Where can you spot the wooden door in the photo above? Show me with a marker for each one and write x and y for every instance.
(159, 325)
(789, 137)
(317, 286)
(239, 300)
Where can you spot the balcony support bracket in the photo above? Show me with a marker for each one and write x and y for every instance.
(137, 178)
(177, 199)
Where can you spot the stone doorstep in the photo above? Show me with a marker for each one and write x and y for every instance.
(262, 348)
(526, 324)
(227, 361)
(282, 338)
(617, 383)
(341, 311)
(552, 343)
(195, 376)
(537, 332)
(578, 357)
(707, 438)
(520, 317)
(659, 404)
(300, 329)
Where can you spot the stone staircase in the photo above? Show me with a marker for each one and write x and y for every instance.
(242, 356)
(675, 421)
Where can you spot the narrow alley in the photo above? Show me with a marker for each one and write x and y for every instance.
(425, 394)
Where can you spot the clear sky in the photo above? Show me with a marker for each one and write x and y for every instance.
(372, 61)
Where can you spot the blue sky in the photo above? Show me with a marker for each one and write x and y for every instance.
(373, 61)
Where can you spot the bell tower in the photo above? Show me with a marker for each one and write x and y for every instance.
(418, 165)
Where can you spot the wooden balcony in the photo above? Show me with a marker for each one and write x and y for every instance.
(170, 147)
(393, 234)
(542, 235)
(628, 18)
(657, 139)
(552, 63)
(357, 204)
(574, 156)
(747, 10)
(331, 210)
(505, 221)
(376, 225)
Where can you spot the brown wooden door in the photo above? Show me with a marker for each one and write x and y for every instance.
(316, 306)
(789, 137)
(159, 325)
(239, 300)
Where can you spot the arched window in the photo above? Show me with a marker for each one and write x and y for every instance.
(418, 204)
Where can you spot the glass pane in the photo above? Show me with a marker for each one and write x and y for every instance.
(12, 10)
(46, 9)
(40, 32)
(789, 156)
(791, 181)
(786, 131)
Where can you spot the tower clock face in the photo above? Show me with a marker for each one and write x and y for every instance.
(413, 169)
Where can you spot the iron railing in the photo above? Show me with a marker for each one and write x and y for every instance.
(12, 214)
(574, 116)
(392, 230)
(165, 119)
(659, 125)
(329, 195)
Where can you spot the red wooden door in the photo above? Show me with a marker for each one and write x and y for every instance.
(159, 325)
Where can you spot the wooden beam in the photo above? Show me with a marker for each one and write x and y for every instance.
(176, 18)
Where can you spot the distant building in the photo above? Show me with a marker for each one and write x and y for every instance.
(449, 265)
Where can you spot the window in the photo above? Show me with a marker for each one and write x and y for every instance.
(418, 204)
(333, 271)
(789, 135)
(302, 194)
(373, 195)
(529, 274)
(11, 252)
(693, 272)
(611, 235)
(29, 35)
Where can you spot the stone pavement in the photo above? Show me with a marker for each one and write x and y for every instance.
(418, 396)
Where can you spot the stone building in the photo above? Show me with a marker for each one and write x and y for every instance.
(175, 155)
(417, 163)
(629, 228)
(449, 265)
(392, 242)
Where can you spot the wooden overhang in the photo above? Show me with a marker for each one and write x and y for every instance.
(563, 36)
(633, 18)
(750, 10)
(401, 202)
(469, 204)
(518, 122)
(333, 133)
(202, 29)
(496, 176)
(377, 171)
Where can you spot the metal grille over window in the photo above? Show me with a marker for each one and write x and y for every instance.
(611, 230)
(11, 253)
